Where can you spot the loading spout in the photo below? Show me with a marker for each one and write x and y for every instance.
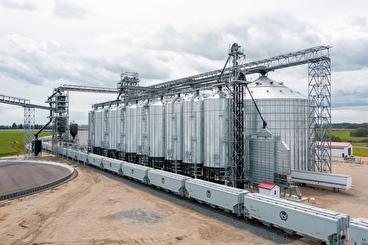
(36, 134)
(255, 104)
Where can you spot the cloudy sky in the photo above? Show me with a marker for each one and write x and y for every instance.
(47, 43)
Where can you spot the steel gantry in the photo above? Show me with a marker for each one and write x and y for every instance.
(29, 119)
(59, 102)
(319, 77)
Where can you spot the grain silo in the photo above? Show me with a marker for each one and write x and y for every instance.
(193, 135)
(142, 132)
(269, 158)
(130, 133)
(174, 134)
(216, 140)
(157, 133)
(286, 113)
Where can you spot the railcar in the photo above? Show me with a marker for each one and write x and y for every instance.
(228, 198)
(168, 181)
(358, 231)
(136, 172)
(95, 160)
(112, 165)
(83, 156)
(323, 225)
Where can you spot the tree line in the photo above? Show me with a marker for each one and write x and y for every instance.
(349, 125)
(20, 126)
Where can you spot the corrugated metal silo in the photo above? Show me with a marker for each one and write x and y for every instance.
(157, 134)
(98, 115)
(269, 158)
(142, 114)
(105, 132)
(216, 131)
(131, 133)
(91, 129)
(286, 113)
(113, 131)
(120, 115)
(174, 134)
(193, 135)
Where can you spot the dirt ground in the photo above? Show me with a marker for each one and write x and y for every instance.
(96, 209)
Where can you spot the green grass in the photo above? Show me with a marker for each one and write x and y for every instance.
(12, 142)
(359, 148)
(360, 151)
(344, 135)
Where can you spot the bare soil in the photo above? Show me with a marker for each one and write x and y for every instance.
(98, 209)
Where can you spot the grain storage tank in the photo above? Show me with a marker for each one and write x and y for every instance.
(157, 134)
(216, 131)
(120, 134)
(142, 133)
(286, 113)
(91, 129)
(193, 135)
(98, 116)
(269, 158)
(105, 132)
(131, 132)
(112, 131)
(174, 134)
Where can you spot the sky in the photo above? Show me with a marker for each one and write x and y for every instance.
(48, 43)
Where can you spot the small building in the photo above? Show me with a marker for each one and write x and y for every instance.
(340, 149)
(269, 189)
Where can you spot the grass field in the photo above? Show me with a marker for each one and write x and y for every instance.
(12, 141)
(345, 136)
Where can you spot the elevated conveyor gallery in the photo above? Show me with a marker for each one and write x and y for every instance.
(22, 177)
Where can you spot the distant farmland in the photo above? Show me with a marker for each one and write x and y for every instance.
(360, 148)
(12, 141)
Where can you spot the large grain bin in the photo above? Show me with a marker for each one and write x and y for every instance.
(157, 134)
(286, 113)
(97, 118)
(121, 137)
(216, 140)
(131, 133)
(174, 134)
(269, 158)
(193, 135)
(112, 131)
(142, 132)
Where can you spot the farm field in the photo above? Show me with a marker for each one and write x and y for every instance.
(12, 141)
(359, 148)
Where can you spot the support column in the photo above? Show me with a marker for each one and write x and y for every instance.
(29, 124)
(319, 86)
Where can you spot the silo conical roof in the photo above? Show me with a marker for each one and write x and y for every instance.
(266, 88)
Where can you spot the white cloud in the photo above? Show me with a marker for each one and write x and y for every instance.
(49, 43)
